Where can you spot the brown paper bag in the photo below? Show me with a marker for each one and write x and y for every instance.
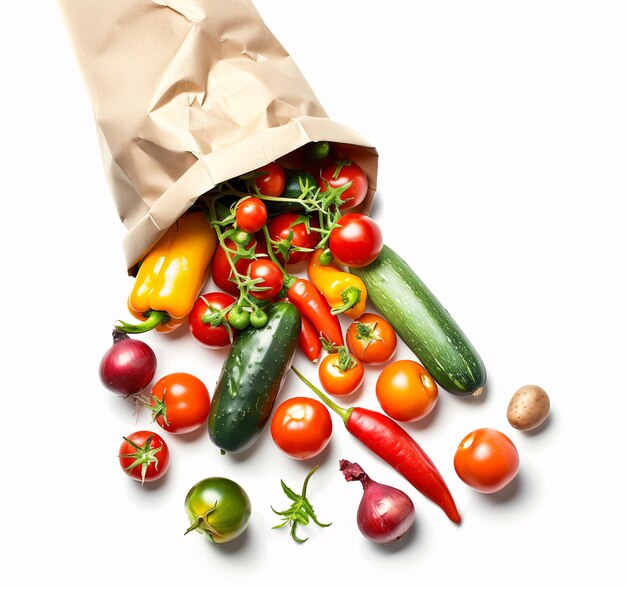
(187, 94)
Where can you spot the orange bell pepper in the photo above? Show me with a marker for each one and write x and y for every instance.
(344, 292)
(171, 276)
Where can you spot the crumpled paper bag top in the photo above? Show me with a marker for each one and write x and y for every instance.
(187, 94)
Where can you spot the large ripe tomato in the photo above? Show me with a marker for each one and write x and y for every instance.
(338, 174)
(180, 403)
(406, 391)
(270, 278)
(372, 339)
(290, 231)
(486, 460)
(207, 322)
(301, 427)
(357, 240)
(144, 456)
(222, 272)
(251, 214)
(340, 373)
(270, 179)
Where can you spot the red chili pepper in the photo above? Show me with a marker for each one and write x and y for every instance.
(313, 306)
(390, 442)
(305, 296)
(309, 340)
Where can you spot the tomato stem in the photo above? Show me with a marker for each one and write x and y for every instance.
(341, 411)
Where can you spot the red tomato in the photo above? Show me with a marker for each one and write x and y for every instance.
(301, 427)
(372, 339)
(339, 173)
(251, 214)
(357, 241)
(291, 231)
(341, 374)
(406, 391)
(271, 279)
(144, 456)
(208, 324)
(221, 271)
(270, 180)
(180, 403)
(486, 460)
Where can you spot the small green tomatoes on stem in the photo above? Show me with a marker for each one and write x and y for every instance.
(239, 318)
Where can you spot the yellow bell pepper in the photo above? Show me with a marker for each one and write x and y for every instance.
(171, 276)
(344, 292)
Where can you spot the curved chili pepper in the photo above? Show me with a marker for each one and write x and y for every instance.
(390, 442)
(313, 306)
(343, 293)
(309, 340)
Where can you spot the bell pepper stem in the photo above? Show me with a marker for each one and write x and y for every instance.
(341, 411)
(350, 296)
(153, 319)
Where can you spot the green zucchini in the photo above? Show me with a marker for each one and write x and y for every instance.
(423, 324)
(251, 377)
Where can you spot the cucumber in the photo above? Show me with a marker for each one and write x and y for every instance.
(293, 189)
(251, 377)
(423, 324)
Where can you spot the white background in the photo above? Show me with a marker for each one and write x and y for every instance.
(497, 128)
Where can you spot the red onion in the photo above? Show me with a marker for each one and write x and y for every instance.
(128, 365)
(385, 513)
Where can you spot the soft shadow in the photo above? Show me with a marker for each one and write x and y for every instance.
(377, 205)
(546, 424)
(509, 493)
(410, 538)
(470, 399)
(233, 546)
(425, 422)
(196, 434)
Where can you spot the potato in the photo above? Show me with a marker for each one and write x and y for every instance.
(529, 407)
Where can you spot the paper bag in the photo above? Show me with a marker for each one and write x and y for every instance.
(187, 94)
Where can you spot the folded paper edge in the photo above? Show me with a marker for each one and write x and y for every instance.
(230, 161)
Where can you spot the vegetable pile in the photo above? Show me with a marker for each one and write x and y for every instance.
(293, 267)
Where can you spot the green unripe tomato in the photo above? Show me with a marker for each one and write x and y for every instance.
(218, 508)
(258, 318)
(238, 318)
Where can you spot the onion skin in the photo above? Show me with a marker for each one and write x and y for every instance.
(385, 513)
(128, 366)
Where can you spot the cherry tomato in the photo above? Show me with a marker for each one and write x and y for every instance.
(372, 339)
(406, 391)
(144, 456)
(340, 373)
(270, 180)
(207, 322)
(357, 241)
(301, 427)
(251, 214)
(222, 272)
(339, 173)
(271, 279)
(486, 460)
(290, 230)
(180, 403)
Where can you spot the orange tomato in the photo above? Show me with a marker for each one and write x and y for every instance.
(340, 373)
(406, 391)
(371, 339)
(486, 460)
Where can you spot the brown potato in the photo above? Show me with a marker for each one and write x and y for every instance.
(529, 408)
